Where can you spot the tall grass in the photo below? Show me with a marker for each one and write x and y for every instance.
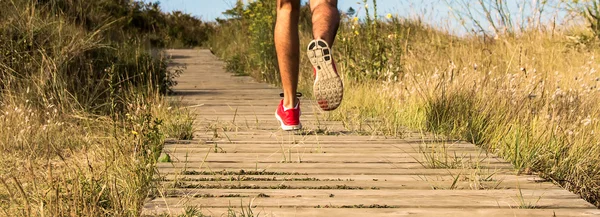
(531, 97)
(260, 53)
(82, 116)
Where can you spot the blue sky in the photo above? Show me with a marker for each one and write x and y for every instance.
(211, 9)
(434, 12)
(208, 10)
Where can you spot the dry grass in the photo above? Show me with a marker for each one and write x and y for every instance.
(82, 118)
(80, 165)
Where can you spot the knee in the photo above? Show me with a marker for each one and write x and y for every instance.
(288, 6)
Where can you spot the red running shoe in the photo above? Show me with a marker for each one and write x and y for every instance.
(328, 87)
(289, 117)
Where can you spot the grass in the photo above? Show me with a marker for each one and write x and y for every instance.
(195, 211)
(474, 171)
(232, 211)
(526, 204)
(437, 156)
(189, 211)
(530, 97)
(246, 210)
(82, 111)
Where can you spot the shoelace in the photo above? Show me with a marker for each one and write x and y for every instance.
(297, 95)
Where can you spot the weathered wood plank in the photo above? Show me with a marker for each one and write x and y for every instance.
(335, 193)
(199, 167)
(402, 201)
(365, 185)
(326, 178)
(301, 157)
(307, 166)
(416, 212)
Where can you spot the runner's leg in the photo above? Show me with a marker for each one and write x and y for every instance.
(326, 19)
(328, 88)
(287, 44)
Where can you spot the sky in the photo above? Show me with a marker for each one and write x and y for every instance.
(211, 9)
(434, 12)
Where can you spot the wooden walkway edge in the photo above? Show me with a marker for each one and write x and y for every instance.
(239, 161)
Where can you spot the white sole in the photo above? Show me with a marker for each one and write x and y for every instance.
(286, 127)
(328, 87)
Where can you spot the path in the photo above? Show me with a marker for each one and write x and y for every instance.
(239, 161)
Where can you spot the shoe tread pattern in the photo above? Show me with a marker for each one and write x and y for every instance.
(328, 87)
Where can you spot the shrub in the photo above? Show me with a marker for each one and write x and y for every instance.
(81, 114)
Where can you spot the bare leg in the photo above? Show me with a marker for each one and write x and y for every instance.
(326, 19)
(287, 44)
(328, 88)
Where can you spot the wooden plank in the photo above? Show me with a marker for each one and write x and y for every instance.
(405, 201)
(365, 185)
(425, 148)
(276, 138)
(266, 124)
(260, 136)
(406, 135)
(306, 149)
(335, 193)
(271, 122)
(334, 157)
(481, 176)
(345, 166)
(342, 140)
(313, 135)
(198, 167)
(413, 212)
(294, 157)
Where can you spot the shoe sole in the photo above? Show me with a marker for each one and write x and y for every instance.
(286, 127)
(328, 87)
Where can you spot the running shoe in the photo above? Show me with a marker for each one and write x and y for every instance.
(328, 87)
(289, 117)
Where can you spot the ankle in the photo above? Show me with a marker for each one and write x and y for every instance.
(290, 103)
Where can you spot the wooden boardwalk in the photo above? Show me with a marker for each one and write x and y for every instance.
(239, 161)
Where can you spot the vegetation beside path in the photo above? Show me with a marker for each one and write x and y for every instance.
(531, 96)
(82, 110)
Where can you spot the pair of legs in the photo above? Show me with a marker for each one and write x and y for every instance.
(325, 19)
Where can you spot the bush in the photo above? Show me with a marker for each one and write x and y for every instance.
(81, 114)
